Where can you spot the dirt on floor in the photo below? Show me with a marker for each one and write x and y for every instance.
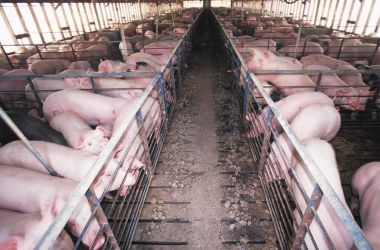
(205, 193)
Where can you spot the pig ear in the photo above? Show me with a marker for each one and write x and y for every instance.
(11, 243)
(79, 143)
(266, 54)
(102, 67)
(103, 130)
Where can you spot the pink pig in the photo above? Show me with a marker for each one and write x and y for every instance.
(94, 109)
(324, 156)
(287, 83)
(78, 134)
(289, 107)
(34, 190)
(365, 184)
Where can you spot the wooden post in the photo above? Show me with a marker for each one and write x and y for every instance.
(8, 25)
(36, 22)
(26, 30)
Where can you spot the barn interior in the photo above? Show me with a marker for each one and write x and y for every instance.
(215, 124)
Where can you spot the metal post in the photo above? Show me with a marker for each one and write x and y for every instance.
(335, 14)
(369, 17)
(157, 19)
(349, 14)
(66, 21)
(22, 22)
(6, 56)
(48, 22)
(27, 143)
(359, 14)
(73, 18)
(299, 33)
(57, 19)
(80, 17)
(97, 16)
(8, 25)
(316, 14)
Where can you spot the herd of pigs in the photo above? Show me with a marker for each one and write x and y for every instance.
(314, 118)
(76, 127)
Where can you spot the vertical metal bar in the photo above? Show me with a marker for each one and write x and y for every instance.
(57, 19)
(66, 20)
(327, 11)
(6, 56)
(335, 14)
(308, 216)
(27, 143)
(369, 16)
(73, 18)
(47, 22)
(349, 14)
(157, 19)
(316, 14)
(377, 25)
(101, 217)
(86, 15)
(80, 16)
(271, 7)
(8, 25)
(36, 22)
(359, 15)
(299, 34)
(26, 30)
(97, 16)
(106, 15)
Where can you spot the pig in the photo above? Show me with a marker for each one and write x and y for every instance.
(153, 60)
(50, 66)
(129, 29)
(33, 190)
(327, 61)
(3, 71)
(103, 39)
(84, 65)
(365, 184)
(127, 89)
(70, 99)
(324, 123)
(78, 134)
(126, 49)
(24, 230)
(12, 90)
(150, 34)
(324, 157)
(93, 52)
(44, 55)
(45, 87)
(56, 156)
(309, 48)
(256, 93)
(180, 31)
(109, 66)
(160, 47)
(33, 129)
(289, 107)
(334, 87)
(263, 44)
(287, 84)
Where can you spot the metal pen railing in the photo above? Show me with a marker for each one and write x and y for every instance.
(290, 232)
